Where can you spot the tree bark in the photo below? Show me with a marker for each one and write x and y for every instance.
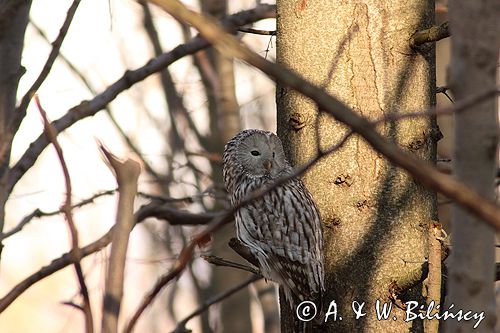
(13, 20)
(475, 42)
(375, 217)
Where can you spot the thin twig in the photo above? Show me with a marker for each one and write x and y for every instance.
(444, 90)
(181, 326)
(257, 31)
(67, 210)
(217, 261)
(56, 46)
(37, 213)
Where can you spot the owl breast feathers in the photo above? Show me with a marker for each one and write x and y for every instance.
(282, 229)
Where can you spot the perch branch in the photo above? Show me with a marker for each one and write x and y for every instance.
(217, 261)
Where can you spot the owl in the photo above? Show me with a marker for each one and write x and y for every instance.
(282, 229)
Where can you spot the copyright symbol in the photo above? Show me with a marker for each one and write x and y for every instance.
(306, 311)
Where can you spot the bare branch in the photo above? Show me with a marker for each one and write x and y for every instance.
(422, 171)
(174, 216)
(66, 209)
(127, 175)
(56, 265)
(68, 259)
(217, 261)
(181, 327)
(129, 78)
(56, 46)
(107, 109)
(433, 34)
(433, 284)
(257, 31)
(37, 213)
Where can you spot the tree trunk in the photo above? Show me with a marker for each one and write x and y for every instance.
(375, 218)
(224, 124)
(13, 21)
(475, 42)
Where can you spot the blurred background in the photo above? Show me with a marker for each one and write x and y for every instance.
(170, 120)
(177, 123)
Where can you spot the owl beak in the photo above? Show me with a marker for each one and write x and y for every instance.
(268, 165)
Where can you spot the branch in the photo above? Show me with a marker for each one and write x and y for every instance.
(107, 109)
(414, 278)
(433, 284)
(179, 266)
(62, 262)
(217, 261)
(173, 216)
(37, 213)
(258, 32)
(433, 34)
(127, 175)
(181, 326)
(56, 46)
(422, 171)
(129, 78)
(56, 265)
(66, 209)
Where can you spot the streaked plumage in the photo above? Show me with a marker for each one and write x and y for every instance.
(283, 228)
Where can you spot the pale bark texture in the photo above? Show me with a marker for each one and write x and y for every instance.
(375, 217)
(13, 21)
(475, 42)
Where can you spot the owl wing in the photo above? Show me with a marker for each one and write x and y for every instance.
(283, 230)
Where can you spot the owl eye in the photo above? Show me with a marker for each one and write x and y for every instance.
(255, 153)
(273, 154)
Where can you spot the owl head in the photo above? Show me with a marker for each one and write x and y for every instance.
(257, 153)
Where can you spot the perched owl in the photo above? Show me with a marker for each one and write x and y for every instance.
(282, 229)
